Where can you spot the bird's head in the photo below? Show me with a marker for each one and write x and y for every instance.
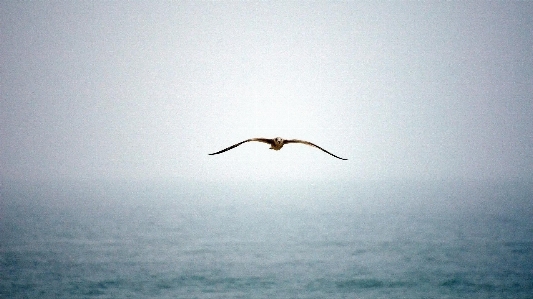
(278, 140)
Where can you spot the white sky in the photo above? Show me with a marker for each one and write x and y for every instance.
(131, 89)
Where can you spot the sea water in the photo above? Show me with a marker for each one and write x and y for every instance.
(266, 240)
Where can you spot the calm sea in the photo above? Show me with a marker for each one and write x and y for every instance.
(266, 240)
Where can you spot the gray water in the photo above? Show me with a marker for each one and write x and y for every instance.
(270, 240)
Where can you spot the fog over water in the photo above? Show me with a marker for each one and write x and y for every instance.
(108, 111)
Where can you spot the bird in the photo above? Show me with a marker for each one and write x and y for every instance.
(276, 144)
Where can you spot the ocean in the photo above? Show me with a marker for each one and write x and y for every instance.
(177, 239)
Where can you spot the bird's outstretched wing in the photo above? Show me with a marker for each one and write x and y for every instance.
(265, 140)
(311, 144)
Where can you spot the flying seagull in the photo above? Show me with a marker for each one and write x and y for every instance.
(276, 144)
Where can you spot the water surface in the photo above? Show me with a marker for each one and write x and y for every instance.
(248, 240)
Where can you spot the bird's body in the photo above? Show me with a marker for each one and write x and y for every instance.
(276, 144)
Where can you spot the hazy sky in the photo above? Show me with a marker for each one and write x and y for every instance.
(131, 89)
